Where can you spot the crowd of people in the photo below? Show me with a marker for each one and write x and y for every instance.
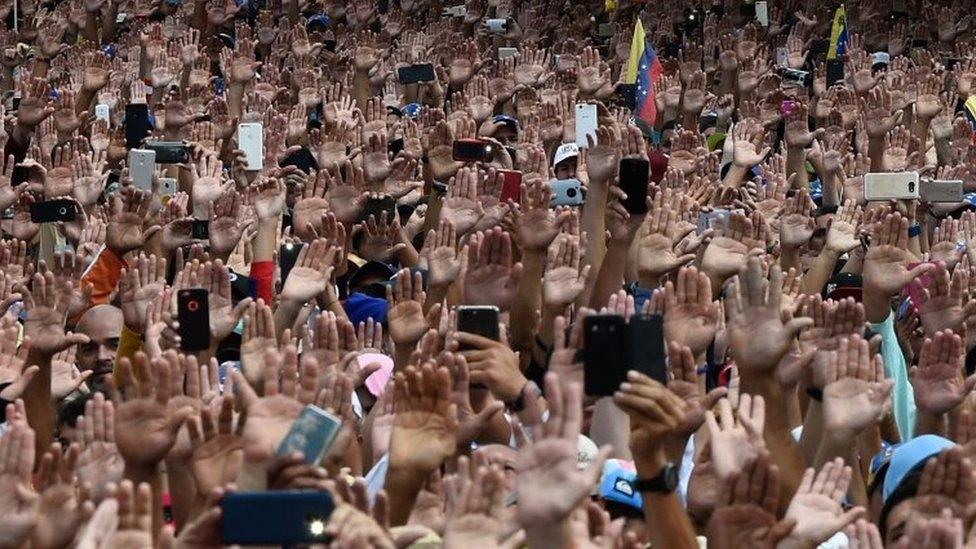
(164, 325)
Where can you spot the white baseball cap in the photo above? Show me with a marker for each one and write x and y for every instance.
(566, 150)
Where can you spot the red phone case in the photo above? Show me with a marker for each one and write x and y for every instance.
(511, 187)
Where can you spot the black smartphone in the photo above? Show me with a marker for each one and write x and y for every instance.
(748, 9)
(302, 159)
(472, 150)
(604, 354)
(645, 347)
(376, 206)
(394, 146)
(634, 173)
(411, 74)
(819, 46)
(275, 518)
(169, 152)
(193, 310)
(51, 211)
(136, 124)
(200, 229)
(921, 43)
(287, 256)
(329, 44)
(478, 320)
(835, 72)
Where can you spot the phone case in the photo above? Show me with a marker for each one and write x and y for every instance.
(505, 53)
(168, 186)
(169, 152)
(478, 320)
(645, 347)
(511, 186)
(762, 13)
(604, 354)
(312, 434)
(566, 192)
(275, 518)
(193, 310)
(586, 123)
(136, 124)
(102, 113)
(142, 163)
(941, 190)
(250, 139)
(51, 211)
(634, 173)
(891, 186)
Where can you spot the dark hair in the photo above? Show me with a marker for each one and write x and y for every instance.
(907, 489)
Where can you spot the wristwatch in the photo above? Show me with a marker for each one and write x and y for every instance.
(664, 483)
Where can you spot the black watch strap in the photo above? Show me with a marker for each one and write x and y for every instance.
(664, 483)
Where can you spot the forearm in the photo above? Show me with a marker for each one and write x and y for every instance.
(265, 239)
(528, 297)
(784, 451)
(921, 129)
(402, 487)
(819, 273)
(151, 476)
(593, 222)
(186, 502)
(789, 257)
(285, 315)
(668, 524)
(37, 401)
(435, 294)
(930, 423)
(109, 25)
(360, 88)
(796, 164)
(812, 430)
(91, 26)
(610, 425)
(235, 100)
(876, 154)
(611, 274)
(735, 176)
(401, 355)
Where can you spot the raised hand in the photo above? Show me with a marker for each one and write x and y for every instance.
(938, 379)
(129, 210)
(311, 273)
(475, 508)
(658, 250)
(565, 276)
(443, 261)
(99, 463)
(462, 207)
(139, 284)
(17, 501)
(655, 414)
(747, 507)
(425, 428)
(816, 506)
(736, 439)
(685, 385)
(218, 447)
(47, 309)
(61, 509)
(258, 337)
(226, 224)
(145, 425)
(856, 394)
(842, 236)
(946, 487)
(405, 313)
(491, 278)
(945, 304)
(690, 315)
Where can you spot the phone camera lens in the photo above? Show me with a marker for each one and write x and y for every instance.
(192, 306)
(571, 193)
(63, 211)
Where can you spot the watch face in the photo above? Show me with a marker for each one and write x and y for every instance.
(670, 474)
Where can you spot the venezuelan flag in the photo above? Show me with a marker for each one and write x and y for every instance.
(643, 71)
(838, 34)
(969, 109)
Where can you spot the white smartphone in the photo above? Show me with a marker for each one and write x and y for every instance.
(250, 139)
(497, 26)
(782, 57)
(456, 11)
(142, 164)
(168, 186)
(102, 113)
(891, 186)
(762, 13)
(505, 53)
(941, 190)
(585, 123)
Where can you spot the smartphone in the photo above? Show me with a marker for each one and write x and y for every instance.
(102, 113)
(920, 43)
(312, 434)
(941, 190)
(716, 219)
(275, 518)
(455, 11)
(168, 186)
(891, 186)
(645, 347)
(835, 72)
(634, 174)
(142, 164)
(793, 78)
(505, 53)
(819, 45)
(481, 320)
(287, 257)
(137, 125)
(472, 150)
(193, 312)
(762, 13)
(376, 206)
(747, 9)
(250, 139)
(169, 152)
(394, 146)
(604, 354)
(51, 211)
(511, 186)
(586, 123)
(412, 74)
(496, 26)
(782, 57)
(302, 159)
(200, 229)
(566, 192)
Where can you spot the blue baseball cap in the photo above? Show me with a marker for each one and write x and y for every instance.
(317, 20)
(910, 456)
(617, 483)
(360, 307)
(506, 120)
(411, 110)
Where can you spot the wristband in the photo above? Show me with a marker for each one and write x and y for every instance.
(914, 230)
(518, 404)
(815, 394)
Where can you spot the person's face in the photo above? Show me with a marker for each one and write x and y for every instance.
(504, 458)
(505, 134)
(566, 169)
(98, 354)
(896, 521)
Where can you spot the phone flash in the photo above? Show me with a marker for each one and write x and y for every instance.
(289, 246)
(316, 527)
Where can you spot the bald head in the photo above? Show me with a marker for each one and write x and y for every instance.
(103, 325)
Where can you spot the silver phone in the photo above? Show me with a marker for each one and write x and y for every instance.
(891, 186)
(941, 190)
(250, 139)
(142, 164)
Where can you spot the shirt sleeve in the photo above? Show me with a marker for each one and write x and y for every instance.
(129, 344)
(261, 278)
(896, 369)
(103, 275)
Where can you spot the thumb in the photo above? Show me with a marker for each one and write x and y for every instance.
(176, 420)
(17, 388)
(482, 417)
(795, 326)
(919, 270)
(713, 396)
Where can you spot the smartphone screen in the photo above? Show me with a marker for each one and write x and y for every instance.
(302, 159)
(376, 206)
(634, 174)
(604, 354)
(645, 347)
(478, 320)
(136, 124)
(312, 434)
(287, 256)
(412, 74)
(200, 229)
(472, 150)
(51, 211)
(193, 310)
